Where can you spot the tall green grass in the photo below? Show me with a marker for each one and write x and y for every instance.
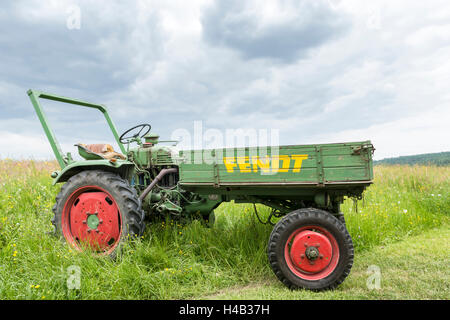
(404, 200)
(173, 260)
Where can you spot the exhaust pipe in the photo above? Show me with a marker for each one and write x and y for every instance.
(158, 178)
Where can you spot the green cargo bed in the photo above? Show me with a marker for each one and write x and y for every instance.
(299, 165)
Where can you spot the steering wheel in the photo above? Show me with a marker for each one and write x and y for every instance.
(124, 139)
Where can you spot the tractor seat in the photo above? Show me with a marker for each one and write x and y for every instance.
(98, 151)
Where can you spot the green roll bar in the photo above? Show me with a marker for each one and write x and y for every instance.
(62, 160)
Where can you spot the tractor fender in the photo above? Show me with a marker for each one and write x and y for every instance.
(121, 167)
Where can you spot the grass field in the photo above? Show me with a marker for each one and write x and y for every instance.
(401, 226)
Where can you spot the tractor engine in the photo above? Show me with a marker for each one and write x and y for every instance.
(156, 180)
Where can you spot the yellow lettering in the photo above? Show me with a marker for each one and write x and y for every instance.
(276, 163)
(298, 160)
(286, 162)
(230, 163)
(264, 164)
(244, 164)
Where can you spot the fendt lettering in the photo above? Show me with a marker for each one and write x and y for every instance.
(109, 194)
(267, 164)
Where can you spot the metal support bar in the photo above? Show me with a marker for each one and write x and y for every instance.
(34, 97)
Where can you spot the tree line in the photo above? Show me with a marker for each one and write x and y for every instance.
(437, 159)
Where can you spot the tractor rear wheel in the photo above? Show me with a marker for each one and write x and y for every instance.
(97, 210)
(310, 249)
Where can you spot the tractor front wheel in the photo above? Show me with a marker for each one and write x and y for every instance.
(311, 249)
(97, 210)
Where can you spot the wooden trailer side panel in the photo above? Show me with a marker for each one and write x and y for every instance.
(302, 165)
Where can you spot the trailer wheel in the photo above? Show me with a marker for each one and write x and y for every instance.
(310, 249)
(99, 210)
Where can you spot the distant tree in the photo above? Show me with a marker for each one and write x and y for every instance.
(437, 159)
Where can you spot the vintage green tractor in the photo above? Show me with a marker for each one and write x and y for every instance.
(107, 196)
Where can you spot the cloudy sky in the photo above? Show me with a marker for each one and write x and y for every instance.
(317, 71)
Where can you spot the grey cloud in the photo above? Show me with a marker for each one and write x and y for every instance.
(239, 72)
(226, 23)
(92, 62)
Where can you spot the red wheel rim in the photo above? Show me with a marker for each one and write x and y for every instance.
(311, 253)
(91, 218)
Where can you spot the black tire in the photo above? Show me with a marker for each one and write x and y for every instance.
(125, 197)
(287, 227)
(341, 218)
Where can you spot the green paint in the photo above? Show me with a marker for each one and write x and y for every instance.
(93, 221)
(285, 179)
(120, 166)
(36, 95)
